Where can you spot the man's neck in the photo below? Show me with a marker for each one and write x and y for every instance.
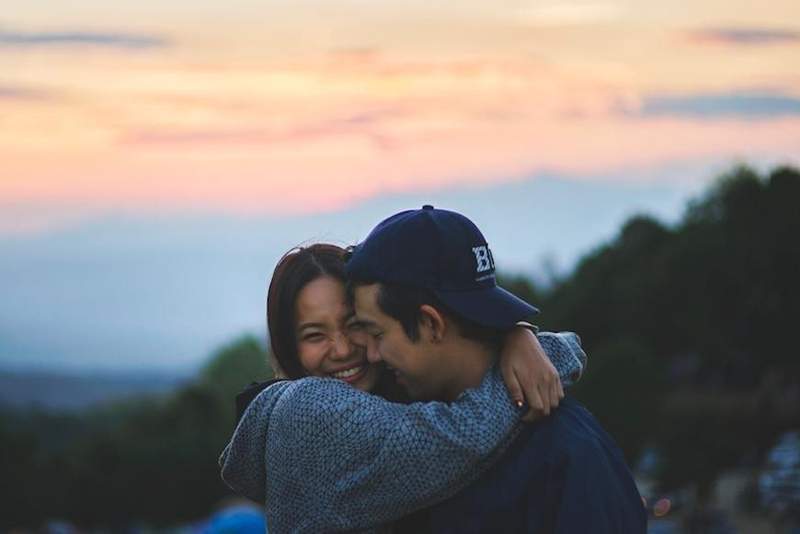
(468, 362)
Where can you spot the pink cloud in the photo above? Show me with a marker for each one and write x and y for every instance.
(366, 124)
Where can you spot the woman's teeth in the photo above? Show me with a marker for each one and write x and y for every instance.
(347, 373)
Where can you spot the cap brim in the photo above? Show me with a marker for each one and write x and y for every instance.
(494, 307)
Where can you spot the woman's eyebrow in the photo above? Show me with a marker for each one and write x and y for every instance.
(305, 326)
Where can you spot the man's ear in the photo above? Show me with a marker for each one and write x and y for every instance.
(432, 323)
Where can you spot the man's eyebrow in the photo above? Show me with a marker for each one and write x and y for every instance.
(366, 322)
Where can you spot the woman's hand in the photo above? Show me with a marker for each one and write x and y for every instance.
(529, 375)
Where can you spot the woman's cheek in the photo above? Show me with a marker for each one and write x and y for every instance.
(311, 356)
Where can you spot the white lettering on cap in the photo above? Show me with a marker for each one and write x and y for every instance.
(483, 256)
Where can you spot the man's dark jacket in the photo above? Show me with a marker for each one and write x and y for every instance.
(563, 474)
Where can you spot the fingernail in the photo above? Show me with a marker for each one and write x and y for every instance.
(519, 404)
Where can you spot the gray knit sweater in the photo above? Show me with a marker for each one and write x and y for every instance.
(325, 457)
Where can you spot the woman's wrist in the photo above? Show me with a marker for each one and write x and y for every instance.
(530, 326)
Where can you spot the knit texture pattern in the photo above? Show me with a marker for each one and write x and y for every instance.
(325, 457)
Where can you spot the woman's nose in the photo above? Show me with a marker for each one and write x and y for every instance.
(341, 345)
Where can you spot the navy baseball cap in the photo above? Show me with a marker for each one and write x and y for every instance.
(444, 252)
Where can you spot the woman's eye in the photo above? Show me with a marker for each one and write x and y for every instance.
(316, 336)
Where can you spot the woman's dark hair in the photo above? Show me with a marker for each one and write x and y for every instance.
(296, 269)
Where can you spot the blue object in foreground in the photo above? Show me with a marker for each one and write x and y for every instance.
(237, 519)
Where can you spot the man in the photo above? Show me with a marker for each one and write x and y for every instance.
(425, 291)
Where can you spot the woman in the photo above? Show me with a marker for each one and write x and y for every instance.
(341, 460)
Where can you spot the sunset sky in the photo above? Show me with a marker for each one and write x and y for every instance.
(156, 158)
(277, 107)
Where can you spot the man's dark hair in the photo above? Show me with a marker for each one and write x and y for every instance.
(402, 303)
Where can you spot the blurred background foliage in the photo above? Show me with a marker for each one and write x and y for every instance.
(689, 330)
(141, 460)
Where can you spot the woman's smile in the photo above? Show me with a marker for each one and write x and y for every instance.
(352, 373)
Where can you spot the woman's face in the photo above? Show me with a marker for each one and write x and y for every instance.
(324, 343)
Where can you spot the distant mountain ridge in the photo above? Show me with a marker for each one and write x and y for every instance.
(61, 391)
(160, 292)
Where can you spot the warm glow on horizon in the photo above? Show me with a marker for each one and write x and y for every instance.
(285, 109)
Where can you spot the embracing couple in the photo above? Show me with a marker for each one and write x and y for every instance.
(403, 411)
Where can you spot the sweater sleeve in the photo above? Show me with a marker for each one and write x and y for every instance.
(340, 459)
(565, 351)
(242, 460)
(327, 457)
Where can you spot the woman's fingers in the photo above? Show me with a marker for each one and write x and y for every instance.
(537, 406)
(513, 385)
(535, 393)
(529, 374)
(554, 392)
(548, 392)
(560, 389)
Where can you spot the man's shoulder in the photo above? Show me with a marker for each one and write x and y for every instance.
(572, 454)
(571, 441)
(570, 428)
(564, 469)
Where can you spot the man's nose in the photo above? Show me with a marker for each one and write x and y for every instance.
(373, 355)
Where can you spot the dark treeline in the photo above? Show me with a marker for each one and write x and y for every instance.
(135, 462)
(689, 330)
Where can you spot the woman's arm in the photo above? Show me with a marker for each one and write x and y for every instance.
(350, 460)
(528, 372)
(326, 457)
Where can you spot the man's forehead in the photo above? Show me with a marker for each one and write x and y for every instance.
(365, 302)
(365, 294)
